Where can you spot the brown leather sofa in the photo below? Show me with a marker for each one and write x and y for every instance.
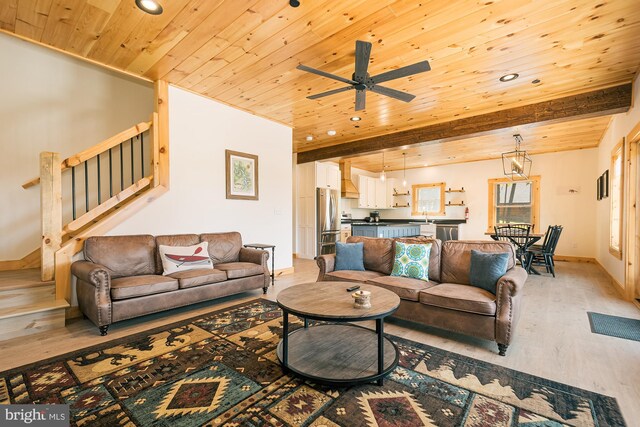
(447, 300)
(121, 276)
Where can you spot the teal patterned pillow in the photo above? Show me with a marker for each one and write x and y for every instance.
(412, 260)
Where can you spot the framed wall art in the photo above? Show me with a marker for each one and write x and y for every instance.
(242, 175)
(605, 184)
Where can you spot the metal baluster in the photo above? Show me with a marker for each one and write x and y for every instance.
(132, 169)
(141, 157)
(99, 188)
(121, 168)
(73, 191)
(86, 187)
(110, 174)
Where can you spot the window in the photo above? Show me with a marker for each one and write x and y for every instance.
(514, 202)
(615, 219)
(428, 199)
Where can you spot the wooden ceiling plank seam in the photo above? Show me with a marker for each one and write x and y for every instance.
(32, 16)
(121, 24)
(241, 27)
(8, 15)
(603, 102)
(144, 38)
(61, 21)
(88, 28)
(199, 24)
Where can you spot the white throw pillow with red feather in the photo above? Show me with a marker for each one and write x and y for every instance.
(183, 258)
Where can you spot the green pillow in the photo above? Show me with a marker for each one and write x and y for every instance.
(412, 260)
(487, 268)
(349, 256)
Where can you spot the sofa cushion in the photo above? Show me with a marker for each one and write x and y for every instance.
(174, 240)
(405, 287)
(378, 253)
(460, 298)
(487, 268)
(349, 256)
(122, 256)
(235, 270)
(352, 276)
(223, 247)
(434, 255)
(183, 258)
(138, 286)
(412, 260)
(191, 278)
(456, 258)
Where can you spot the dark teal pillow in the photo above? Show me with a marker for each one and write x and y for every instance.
(349, 256)
(487, 268)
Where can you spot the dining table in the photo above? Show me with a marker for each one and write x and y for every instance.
(523, 247)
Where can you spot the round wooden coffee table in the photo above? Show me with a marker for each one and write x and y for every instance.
(337, 353)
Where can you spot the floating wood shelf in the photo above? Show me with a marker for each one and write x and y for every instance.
(455, 204)
(455, 191)
(402, 206)
(402, 194)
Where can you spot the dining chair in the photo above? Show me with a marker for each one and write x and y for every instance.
(544, 255)
(517, 234)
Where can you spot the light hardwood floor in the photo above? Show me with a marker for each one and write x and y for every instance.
(553, 339)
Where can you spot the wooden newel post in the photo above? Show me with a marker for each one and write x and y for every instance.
(50, 211)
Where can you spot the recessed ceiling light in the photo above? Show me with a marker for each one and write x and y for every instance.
(509, 77)
(355, 119)
(309, 138)
(152, 7)
(536, 81)
(426, 164)
(331, 132)
(294, 3)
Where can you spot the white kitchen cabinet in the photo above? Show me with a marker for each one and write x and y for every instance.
(327, 176)
(371, 193)
(363, 198)
(381, 194)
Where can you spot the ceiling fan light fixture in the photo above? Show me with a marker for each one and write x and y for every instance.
(331, 132)
(151, 7)
(509, 77)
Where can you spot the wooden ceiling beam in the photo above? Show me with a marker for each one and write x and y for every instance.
(603, 102)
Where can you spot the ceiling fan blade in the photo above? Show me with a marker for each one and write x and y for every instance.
(409, 70)
(402, 96)
(361, 98)
(324, 74)
(363, 52)
(330, 92)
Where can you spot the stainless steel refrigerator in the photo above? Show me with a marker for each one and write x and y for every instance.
(327, 220)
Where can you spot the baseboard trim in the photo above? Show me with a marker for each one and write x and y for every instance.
(618, 286)
(569, 258)
(284, 271)
(73, 313)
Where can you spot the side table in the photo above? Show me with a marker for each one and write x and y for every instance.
(264, 246)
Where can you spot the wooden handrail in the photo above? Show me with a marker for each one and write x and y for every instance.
(101, 147)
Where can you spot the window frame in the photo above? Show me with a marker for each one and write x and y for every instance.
(616, 152)
(535, 201)
(414, 198)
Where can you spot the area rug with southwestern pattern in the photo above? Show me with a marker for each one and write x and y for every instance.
(220, 369)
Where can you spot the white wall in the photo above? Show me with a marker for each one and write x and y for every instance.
(620, 126)
(559, 172)
(200, 131)
(52, 102)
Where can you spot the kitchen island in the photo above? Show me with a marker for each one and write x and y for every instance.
(384, 229)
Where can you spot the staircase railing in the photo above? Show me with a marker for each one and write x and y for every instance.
(81, 189)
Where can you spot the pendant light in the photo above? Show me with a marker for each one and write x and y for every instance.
(404, 169)
(383, 175)
(517, 164)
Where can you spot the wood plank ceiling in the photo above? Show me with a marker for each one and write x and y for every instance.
(244, 53)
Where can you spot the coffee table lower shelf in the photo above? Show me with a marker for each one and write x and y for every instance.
(337, 354)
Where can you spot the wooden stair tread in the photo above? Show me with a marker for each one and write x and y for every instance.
(33, 308)
(26, 278)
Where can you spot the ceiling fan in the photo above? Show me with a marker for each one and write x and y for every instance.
(361, 81)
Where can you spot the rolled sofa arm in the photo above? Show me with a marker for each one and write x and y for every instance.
(93, 288)
(257, 256)
(508, 296)
(327, 264)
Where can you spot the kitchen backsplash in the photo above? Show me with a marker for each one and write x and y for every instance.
(452, 212)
